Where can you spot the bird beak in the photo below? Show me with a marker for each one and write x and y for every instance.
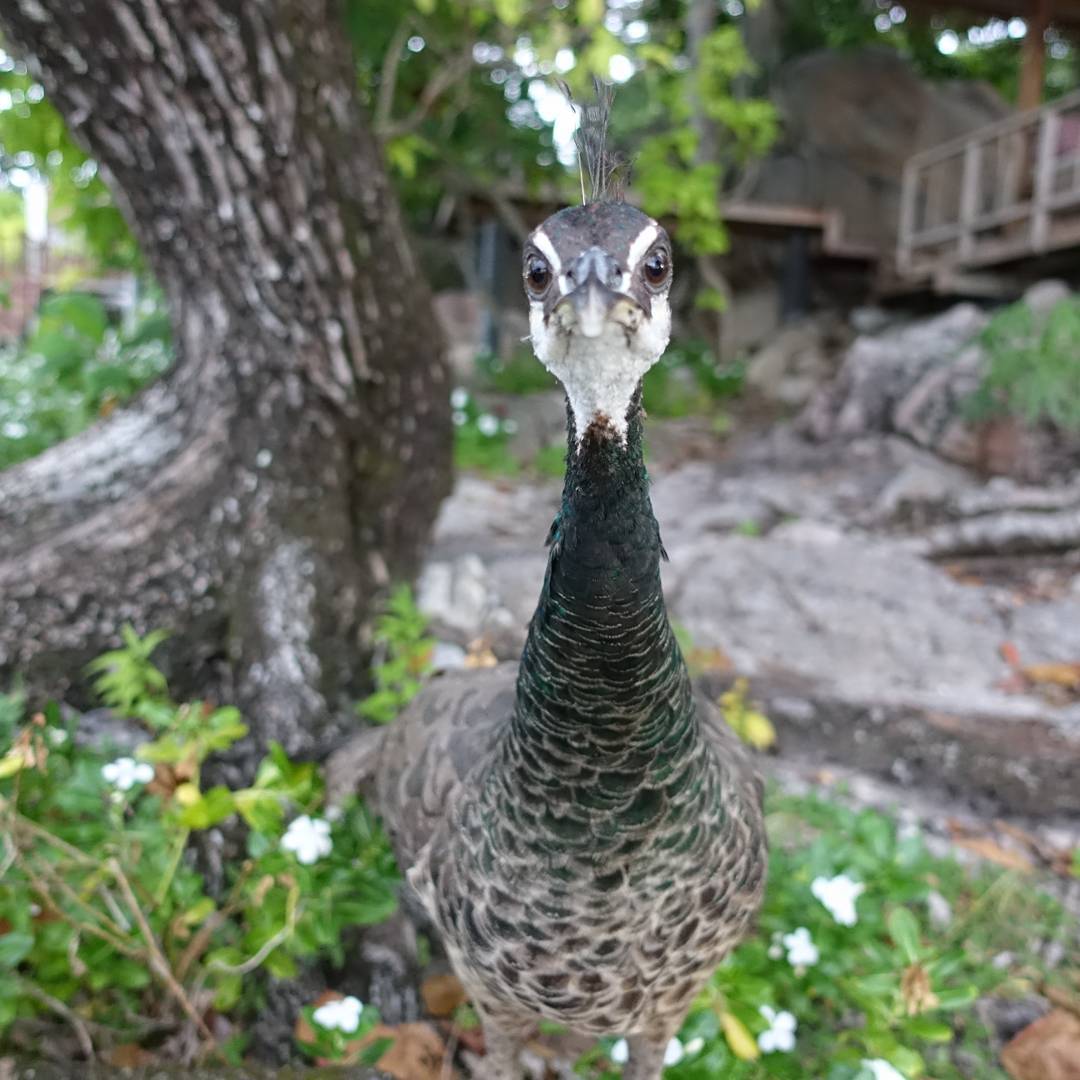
(590, 303)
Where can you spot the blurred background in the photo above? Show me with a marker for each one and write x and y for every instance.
(238, 406)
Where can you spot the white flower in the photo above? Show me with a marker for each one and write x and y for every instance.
(780, 1034)
(674, 1052)
(57, 736)
(342, 1014)
(881, 1069)
(619, 1053)
(839, 894)
(310, 839)
(124, 773)
(459, 397)
(459, 417)
(694, 1046)
(510, 426)
(801, 950)
(488, 424)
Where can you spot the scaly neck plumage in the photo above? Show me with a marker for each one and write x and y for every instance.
(600, 652)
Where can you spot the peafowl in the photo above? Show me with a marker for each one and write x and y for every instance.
(584, 832)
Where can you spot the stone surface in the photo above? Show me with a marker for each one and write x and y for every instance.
(917, 380)
(789, 368)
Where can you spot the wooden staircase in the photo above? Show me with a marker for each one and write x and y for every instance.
(993, 202)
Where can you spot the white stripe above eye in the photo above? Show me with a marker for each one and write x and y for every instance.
(547, 249)
(642, 242)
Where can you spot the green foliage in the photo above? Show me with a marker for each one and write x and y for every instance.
(891, 987)
(522, 373)
(550, 461)
(34, 137)
(672, 176)
(73, 368)
(103, 910)
(404, 658)
(1033, 371)
(687, 379)
(481, 439)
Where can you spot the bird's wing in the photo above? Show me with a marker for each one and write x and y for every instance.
(731, 751)
(429, 750)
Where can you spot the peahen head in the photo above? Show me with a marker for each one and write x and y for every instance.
(597, 277)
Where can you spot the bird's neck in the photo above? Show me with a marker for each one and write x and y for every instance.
(601, 664)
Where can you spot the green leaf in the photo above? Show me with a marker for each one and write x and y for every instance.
(590, 12)
(904, 930)
(261, 809)
(211, 807)
(934, 1031)
(957, 997)
(14, 947)
(509, 12)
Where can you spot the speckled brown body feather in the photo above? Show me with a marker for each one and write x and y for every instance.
(585, 832)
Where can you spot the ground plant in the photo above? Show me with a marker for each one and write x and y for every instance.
(75, 366)
(1032, 371)
(108, 925)
(871, 955)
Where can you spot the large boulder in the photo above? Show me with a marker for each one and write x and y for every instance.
(920, 380)
(851, 120)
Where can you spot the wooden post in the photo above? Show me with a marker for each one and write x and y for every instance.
(908, 195)
(969, 199)
(1044, 180)
(1033, 54)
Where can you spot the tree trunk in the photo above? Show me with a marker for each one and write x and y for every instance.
(255, 500)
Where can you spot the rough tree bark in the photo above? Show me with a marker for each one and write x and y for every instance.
(256, 499)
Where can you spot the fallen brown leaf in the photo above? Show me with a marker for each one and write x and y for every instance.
(479, 655)
(1066, 676)
(417, 1052)
(1048, 1049)
(986, 848)
(129, 1056)
(916, 990)
(1010, 654)
(442, 994)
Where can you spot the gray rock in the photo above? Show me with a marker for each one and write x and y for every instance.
(788, 368)
(1044, 296)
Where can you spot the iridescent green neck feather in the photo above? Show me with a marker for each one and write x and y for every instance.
(601, 668)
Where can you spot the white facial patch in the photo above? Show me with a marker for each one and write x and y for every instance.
(601, 373)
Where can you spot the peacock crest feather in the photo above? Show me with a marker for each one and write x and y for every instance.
(607, 171)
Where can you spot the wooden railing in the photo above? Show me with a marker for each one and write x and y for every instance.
(1005, 192)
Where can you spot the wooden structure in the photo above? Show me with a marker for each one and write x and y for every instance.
(1002, 194)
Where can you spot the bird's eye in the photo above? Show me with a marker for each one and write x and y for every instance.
(537, 274)
(657, 268)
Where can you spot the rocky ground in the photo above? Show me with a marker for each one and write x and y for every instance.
(900, 615)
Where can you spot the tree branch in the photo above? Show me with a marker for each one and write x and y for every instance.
(445, 78)
(384, 104)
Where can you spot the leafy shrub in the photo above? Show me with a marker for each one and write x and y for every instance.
(404, 658)
(522, 373)
(687, 379)
(105, 920)
(1033, 371)
(481, 439)
(73, 368)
